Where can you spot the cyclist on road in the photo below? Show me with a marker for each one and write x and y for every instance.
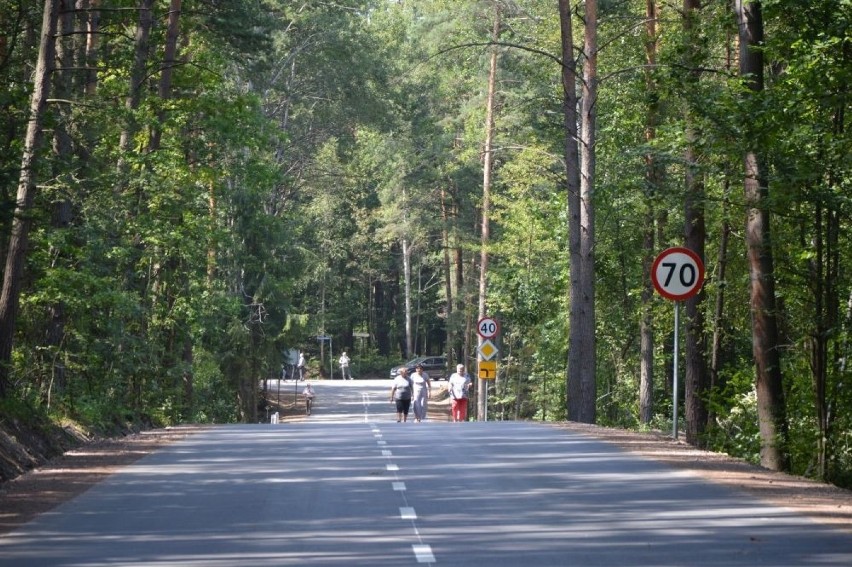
(309, 394)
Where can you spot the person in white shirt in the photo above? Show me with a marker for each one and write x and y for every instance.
(422, 393)
(400, 394)
(301, 366)
(459, 387)
(343, 361)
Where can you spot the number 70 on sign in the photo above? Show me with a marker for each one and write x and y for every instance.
(677, 273)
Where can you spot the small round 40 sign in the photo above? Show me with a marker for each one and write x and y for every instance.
(487, 328)
(677, 273)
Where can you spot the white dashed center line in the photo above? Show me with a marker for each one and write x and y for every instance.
(422, 552)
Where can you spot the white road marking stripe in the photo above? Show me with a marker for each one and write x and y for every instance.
(423, 553)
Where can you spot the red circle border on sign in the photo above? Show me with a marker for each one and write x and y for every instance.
(496, 327)
(695, 258)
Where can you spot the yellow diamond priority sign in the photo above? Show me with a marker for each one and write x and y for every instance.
(487, 350)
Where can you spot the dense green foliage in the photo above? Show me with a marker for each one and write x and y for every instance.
(313, 168)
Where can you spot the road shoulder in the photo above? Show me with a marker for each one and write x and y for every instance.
(824, 503)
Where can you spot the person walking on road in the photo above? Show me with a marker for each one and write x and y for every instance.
(459, 387)
(400, 394)
(343, 361)
(309, 394)
(301, 366)
(422, 393)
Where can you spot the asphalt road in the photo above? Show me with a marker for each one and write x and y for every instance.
(350, 486)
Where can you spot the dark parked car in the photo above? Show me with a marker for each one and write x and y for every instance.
(435, 366)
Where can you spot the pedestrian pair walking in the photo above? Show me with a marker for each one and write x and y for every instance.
(409, 392)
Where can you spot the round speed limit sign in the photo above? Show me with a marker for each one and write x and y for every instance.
(487, 328)
(677, 273)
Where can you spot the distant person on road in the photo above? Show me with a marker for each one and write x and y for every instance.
(309, 394)
(459, 387)
(343, 361)
(400, 394)
(301, 366)
(422, 393)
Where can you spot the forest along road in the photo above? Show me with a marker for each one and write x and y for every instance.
(350, 486)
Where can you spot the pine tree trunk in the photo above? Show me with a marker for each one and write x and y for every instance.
(716, 380)
(459, 285)
(92, 21)
(486, 201)
(833, 322)
(406, 278)
(137, 74)
(16, 254)
(719, 307)
(448, 279)
(572, 181)
(819, 336)
(652, 181)
(582, 385)
(771, 407)
(169, 63)
(63, 149)
(381, 317)
(695, 356)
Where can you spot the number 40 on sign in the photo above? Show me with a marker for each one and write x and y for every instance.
(487, 328)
